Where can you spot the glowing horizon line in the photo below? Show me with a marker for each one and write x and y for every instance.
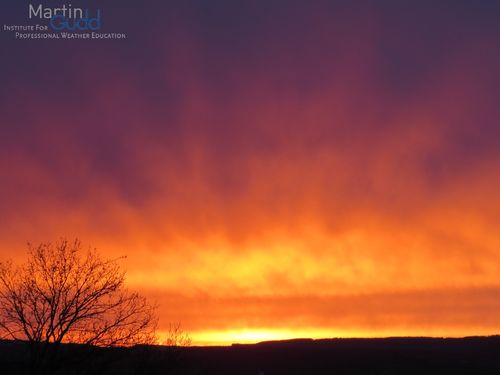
(243, 336)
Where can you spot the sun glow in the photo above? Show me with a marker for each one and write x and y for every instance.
(256, 335)
(251, 336)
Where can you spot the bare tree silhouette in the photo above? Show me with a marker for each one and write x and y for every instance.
(176, 336)
(65, 294)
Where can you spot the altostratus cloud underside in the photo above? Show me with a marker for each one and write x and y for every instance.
(308, 168)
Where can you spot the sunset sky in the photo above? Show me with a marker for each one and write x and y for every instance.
(271, 169)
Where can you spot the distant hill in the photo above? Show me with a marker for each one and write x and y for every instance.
(414, 355)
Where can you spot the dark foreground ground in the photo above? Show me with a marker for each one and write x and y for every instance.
(475, 355)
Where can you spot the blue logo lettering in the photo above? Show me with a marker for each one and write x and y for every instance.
(59, 22)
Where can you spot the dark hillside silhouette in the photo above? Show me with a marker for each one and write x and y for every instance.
(391, 356)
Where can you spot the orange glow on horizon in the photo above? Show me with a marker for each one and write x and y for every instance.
(254, 336)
